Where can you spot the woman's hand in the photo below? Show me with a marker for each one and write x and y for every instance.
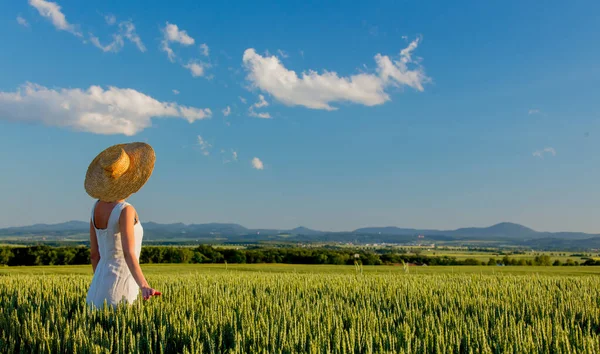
(148, 292)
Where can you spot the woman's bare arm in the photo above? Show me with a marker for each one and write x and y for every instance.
(126, 223)
(94, 252)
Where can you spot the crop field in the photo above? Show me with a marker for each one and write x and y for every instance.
(308, 309)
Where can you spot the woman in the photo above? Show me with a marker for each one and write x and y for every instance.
(115, 230)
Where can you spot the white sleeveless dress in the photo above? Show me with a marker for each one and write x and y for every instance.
(112, 280)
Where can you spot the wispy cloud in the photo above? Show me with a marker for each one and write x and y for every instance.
(546, 151)
(95, 110)
(283, 54)
(115, 46)
(242, 99)
(52, 11)
(534, 111)
(262, 102)
(172, 34)
(234, 157)
(127, 29)
(374, 31)
(226, 111)
(264, 115)
(204, 49)
(319, 91)
(257, 164)
(110, 19)
(176, 92)
(205, 146)
(196, 68)
(23, 22)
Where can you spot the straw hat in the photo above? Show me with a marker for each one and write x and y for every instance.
(119, 171)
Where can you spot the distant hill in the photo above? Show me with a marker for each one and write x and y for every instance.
(65, 228)
(392, 230)
(505, 233)
(305, 231)
(501, 231)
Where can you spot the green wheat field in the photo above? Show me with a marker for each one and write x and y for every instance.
(308, 309)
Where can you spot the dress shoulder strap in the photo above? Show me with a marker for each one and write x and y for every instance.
(115, 215)
(93, 212)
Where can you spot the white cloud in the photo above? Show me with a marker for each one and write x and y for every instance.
(257, 164)
(397, 73)
(128, 30)
(534, 111)
(406, 53)
(261, 102)
(51, 10)
(543, 152)
(114, 46)
(176, 92)
(96, 110)
(205, 146)
(165, 48)
(318, 91)
(226, 111)
(242, 99)
(193, 114)
(282, 54)
(204, 49)
(196, 68)
(264, 115)
(172, 34)
(23, 22)
(110, 19)
(234, 157)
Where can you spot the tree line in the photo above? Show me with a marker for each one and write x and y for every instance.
(73, 255)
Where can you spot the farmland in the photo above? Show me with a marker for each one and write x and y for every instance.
(299, 308)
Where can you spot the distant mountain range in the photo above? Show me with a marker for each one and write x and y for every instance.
(505, 233)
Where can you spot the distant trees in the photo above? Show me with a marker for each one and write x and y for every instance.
(47, 255)
(543, 260)
(471, 261)
(44, 255)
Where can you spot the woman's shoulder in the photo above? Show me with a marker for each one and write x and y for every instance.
(127, 208)
(128, 212)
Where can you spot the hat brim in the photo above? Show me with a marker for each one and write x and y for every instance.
(99, 185)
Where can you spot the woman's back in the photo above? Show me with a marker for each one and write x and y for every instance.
(105, 219)
(112, 280)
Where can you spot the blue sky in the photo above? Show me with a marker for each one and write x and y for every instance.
(410, 113)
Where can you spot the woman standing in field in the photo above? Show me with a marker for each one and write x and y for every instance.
(115, 230)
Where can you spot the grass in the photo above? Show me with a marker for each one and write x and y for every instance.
(314, 269)
(268, 308)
